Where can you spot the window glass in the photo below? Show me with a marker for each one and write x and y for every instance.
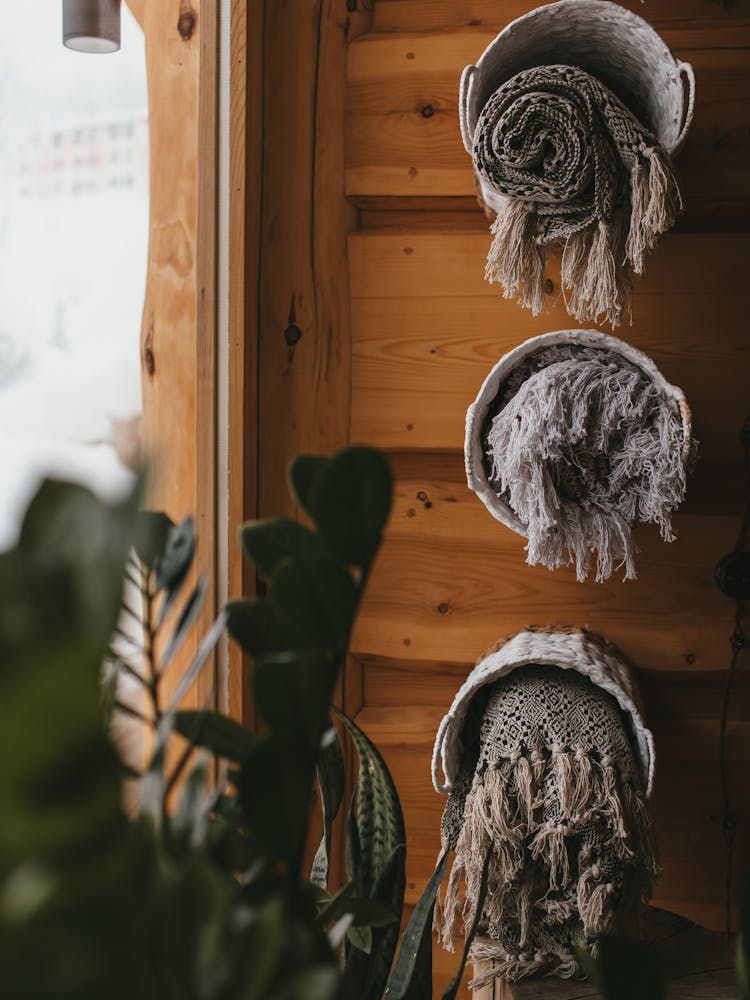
(73, 245)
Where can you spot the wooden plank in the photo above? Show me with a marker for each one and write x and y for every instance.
(245, 161)
(427, 328)
(402, 136)
(693, 23)
(303, 359)
(303, 298)
(450, 581)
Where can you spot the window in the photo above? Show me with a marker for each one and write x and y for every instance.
(73, 245)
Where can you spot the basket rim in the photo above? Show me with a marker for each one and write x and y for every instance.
(476, 477)
(606, 8)
(570, 649)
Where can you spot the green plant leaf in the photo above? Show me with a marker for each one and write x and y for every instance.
(317, 597)
(268, 542)
(361, 938)
(354, 867)
(369, 973)
(217, 733)
(330, 771)
(364, 912)
(256, 626)
(293, 690)
(314, 982)
(452, 989)
(151, 532)
(303, 471)
(350, 502)
(412, 959)
(380, 820)
(274, 789)
(623, 969)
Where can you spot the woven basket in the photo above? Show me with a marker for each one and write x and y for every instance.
(611, 43)
(572, 649)
(476, 416)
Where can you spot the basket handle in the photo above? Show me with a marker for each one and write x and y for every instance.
(686, 70)
(463, 107)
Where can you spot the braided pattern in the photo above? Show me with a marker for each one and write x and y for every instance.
(578, 167)
(555, 136)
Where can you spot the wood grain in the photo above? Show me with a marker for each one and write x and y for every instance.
(427, 329)
(450, 581)
(402, 136)
(695, 23)
(303, 287)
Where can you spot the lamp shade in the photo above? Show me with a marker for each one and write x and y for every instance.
(91, 25)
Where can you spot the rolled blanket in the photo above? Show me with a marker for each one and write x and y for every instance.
(579, 168)
(583, 446)
(550, 784)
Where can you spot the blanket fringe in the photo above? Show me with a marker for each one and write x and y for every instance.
(585, 450)
(538, 812)
(516, 260)
(594, 274)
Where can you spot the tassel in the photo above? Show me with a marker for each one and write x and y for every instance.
(549, 846)
(515, 259)
(655, 204)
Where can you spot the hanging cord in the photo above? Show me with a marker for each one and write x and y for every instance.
(733, 577)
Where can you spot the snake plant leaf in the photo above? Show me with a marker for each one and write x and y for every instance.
(317, 597)
(217, 733)
(350, 501)
(302, 473)
(413, 965)
(354, 868)
(623, 969)
(257, 628)
(266, 543)
(369, 972)
(380, 821)
(293, 690)
(330, 772)
(452, 990)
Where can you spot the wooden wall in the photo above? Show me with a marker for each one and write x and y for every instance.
(425, 330)
(367, 319)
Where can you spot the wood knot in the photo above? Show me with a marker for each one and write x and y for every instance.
(149, 362)
(444, 608)
(428, 111)
(292, 334)
(549, 286)
(186, 24)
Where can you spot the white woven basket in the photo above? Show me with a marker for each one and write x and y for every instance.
(572, 649)
(476, 475)
(603, 39)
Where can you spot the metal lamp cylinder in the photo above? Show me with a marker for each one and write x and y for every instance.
(91, 25)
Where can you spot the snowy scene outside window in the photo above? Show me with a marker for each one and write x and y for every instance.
(73, 245)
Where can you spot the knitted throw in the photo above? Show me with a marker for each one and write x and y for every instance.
(583, 446)
(549, 780)
(578, 167)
